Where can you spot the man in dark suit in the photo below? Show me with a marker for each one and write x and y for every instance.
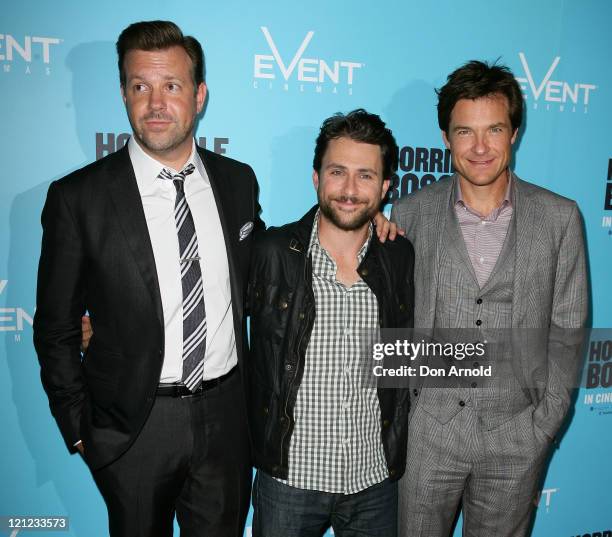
(153, 240)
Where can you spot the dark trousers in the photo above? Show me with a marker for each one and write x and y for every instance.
(284, 511)
(191, 458)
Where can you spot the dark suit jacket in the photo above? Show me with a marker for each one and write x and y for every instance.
(97, 256)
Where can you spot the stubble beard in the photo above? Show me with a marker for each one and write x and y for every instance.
(352, 222)
(166, 142)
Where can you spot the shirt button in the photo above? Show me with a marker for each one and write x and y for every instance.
(483, 222)
(474, 384)
(478, 322)
(479, 301)
(345, 441)
(461, 403)
(481, 260)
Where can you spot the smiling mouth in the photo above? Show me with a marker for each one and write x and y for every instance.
(481, 163)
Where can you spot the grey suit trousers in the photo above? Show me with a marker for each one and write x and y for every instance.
(495, 472)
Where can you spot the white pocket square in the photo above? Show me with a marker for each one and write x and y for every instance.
(245, 231)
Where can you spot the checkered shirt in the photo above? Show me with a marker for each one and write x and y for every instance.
(336, 443)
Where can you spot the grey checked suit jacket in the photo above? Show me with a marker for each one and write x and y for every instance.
(550, 280)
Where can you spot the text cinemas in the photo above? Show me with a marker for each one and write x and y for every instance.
(419, 167)
(608, 198)
(604, 533)
(599, 371)
(109, 142)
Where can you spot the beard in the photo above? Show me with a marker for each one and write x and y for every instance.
(163, 142)
(347, 221)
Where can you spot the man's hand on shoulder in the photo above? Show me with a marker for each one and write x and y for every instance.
(385, 229)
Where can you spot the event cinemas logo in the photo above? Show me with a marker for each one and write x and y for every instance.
(109, 142)
(417, 168)
(301, 72)
(27, 52)
(555, 94)
(544, 498)
(13, 319)
(602, 533)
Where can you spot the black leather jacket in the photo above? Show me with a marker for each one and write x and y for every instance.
(282, 316)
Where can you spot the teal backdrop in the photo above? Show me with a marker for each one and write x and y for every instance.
(275, 70)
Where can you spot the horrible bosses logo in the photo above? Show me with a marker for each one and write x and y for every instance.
(109, 142)
(598, 375)
(27, 54)
(599, 533)
(607, 205)
(417, 168)
(294, 71)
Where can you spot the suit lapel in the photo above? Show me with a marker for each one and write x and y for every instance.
(223, 199)
(433, 214)
(528, 228)
(125, 195)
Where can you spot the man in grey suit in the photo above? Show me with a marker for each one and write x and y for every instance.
(492, 252)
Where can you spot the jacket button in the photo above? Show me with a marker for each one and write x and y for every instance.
(256, 294)
(161, 352)
(461, 403)
(283, 420)
(391, 472)
(402, 307)
(266, 410)
(288, 367)
(478, 322)
(415, 392)
(275, 468)
(479, 301)
(301, 315)
(386, 423)
(364, 272)
(283, 305)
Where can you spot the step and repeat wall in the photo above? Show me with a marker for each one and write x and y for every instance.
(274, 71)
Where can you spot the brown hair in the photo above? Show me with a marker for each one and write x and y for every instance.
(478, 79)
(360, 126)
(159, 35)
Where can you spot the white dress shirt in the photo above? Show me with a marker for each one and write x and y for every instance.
(158, 198)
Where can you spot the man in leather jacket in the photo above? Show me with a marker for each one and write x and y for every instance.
(328, 448)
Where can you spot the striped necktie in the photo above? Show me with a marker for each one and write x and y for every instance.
(194, 313)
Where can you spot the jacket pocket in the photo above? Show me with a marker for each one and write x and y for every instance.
(101, 369)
